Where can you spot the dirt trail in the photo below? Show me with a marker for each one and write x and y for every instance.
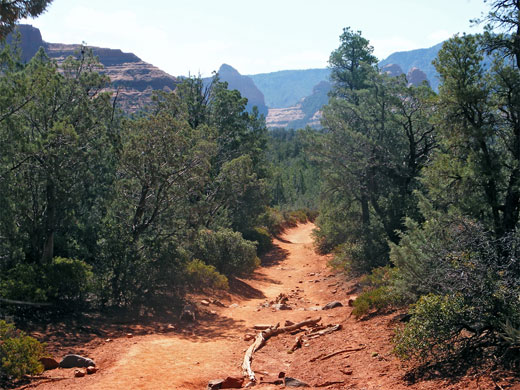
(214, 347)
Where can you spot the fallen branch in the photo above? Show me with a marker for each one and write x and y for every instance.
(323, 332)
(325, 357)
(330, 383)
(261, 339)
(43, 379)
(298, 344)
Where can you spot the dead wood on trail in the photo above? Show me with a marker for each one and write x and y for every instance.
(261, 339)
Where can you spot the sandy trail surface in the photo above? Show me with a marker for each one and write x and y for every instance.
(191, 355)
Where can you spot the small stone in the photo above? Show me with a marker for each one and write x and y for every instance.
(233, 306)
(351, 302)
(71, 361)
(292, 382)
(49, 363)
(91, 370)
(204, 302)
(79, 373)
(108, 340)
(281, 374)
(332, 305)
(288, 323)
(248, 337)
(129, 335)
(213, 312)
(232, 383)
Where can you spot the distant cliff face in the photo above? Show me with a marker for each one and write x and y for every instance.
(416, 77)
(393, 70)
(245, 86)
(134, 79)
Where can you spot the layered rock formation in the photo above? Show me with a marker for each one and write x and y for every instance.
(134, 79)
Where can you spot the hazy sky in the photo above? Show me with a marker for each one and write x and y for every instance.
(182, 36)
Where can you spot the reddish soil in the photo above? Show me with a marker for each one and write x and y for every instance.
(187, 357)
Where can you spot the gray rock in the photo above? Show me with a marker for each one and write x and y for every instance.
(332, 305)
(70, 361)
(291, 382)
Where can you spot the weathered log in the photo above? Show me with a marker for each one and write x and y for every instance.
(261, 339)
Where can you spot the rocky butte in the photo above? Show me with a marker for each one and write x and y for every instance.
(133, 78)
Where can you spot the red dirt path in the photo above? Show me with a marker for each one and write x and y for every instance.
(214, 347)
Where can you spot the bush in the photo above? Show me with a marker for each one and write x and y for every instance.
(68, 280)
(24, 282)
(433, 329)
(201, 275)
(19, 354)
(362, 255)
(62, 281)
(378, 292)
(262, 237)
(468, 279)
(227, 251)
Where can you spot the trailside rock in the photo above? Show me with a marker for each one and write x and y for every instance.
(79, 373)
(292, 382)
(49, 363)
(332, 305)
(70, 361)
(91, 370)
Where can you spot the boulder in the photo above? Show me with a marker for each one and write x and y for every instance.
(332, 305)
(70, 361)
(49, 363)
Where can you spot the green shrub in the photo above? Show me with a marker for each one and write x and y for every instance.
(378, 291)
(19, 354)
(69, 280)
(227, 251)
(262, 237)
(24, 282)
(201, 275)
(272, 220)
(360, 256)
(433, 329)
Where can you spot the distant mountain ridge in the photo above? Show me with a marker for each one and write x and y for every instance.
(286, 88)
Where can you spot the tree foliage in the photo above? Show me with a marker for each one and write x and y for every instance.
(13, 10)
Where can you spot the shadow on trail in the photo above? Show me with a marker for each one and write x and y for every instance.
(275, 256)
(244, 290)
